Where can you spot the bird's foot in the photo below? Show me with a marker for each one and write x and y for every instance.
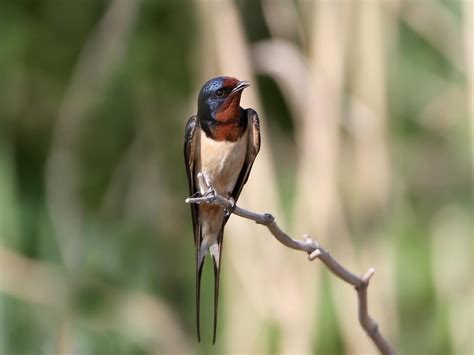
(198, 197)
(210, 194)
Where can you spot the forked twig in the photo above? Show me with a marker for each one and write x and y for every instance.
(314, 250)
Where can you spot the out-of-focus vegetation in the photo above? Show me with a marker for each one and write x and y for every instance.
(366, 110)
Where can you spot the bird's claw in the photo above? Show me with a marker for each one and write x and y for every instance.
(196, 194)
(199, 197)
(210, 194)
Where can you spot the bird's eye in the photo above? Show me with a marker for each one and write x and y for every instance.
(220, 93)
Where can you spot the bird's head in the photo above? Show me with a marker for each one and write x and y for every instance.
(219, 99)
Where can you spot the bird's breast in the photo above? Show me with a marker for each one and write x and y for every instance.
(221, 161)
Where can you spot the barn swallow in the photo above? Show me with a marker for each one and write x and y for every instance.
(221, 142)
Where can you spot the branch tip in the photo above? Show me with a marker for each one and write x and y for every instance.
(315, 254)
(368, 275)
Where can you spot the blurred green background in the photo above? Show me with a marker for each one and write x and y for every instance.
(367, 114)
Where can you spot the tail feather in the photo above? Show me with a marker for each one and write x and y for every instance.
(216, 252)
(216, 298)
(201, 251)
(199, 265)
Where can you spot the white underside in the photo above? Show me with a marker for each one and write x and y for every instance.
(221, 162)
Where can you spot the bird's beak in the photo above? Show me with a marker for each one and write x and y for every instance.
(240, 86)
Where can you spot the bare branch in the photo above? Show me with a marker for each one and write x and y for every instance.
(314, 250)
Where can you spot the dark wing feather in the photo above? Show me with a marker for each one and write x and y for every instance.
(190, 143)
(252, 150)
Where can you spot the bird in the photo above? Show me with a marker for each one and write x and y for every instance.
(221, 142)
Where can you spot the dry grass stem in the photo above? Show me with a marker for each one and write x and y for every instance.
(133, 312)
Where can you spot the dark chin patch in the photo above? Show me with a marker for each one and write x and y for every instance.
(229, 111)
(230, 132)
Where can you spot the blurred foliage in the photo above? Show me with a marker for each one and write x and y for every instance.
(146, 245)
